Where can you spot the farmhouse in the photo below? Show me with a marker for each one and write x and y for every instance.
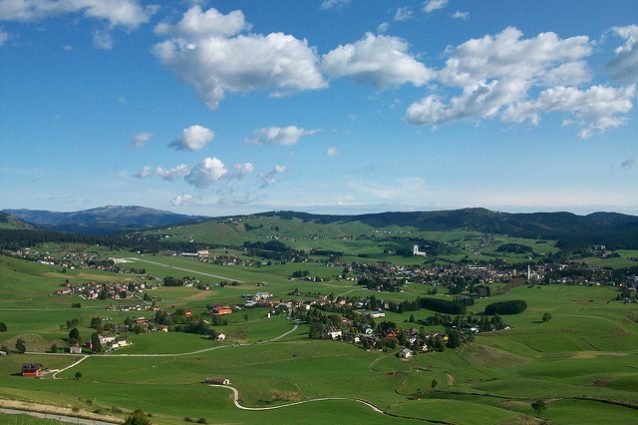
(406, 353)
(32, 369)
(219, 310)
(375, 314)
(217, 381)
(75, 349)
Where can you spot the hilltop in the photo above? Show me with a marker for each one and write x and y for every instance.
(101, 221)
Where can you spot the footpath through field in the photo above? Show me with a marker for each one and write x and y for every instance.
(184, 269)
(242, 407)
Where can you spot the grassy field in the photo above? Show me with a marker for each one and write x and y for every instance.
(578, 362)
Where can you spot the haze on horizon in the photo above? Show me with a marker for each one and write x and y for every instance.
(335, 106)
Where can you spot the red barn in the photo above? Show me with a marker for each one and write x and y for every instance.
(32, 369)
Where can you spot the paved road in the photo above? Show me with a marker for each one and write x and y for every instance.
(184, 270)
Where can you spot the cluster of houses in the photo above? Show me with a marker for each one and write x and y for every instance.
(105, 290)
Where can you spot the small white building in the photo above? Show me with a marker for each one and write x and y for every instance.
(406, 353)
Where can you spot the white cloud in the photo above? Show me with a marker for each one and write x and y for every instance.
(206, 173)
(181, 199)
(125, 13)
(102, 40)
(269, 178)
(239, 171)
(334, 4)
(432, 5)
(169, 174)
(282, 136)
(596, 108)
(624, 66)
(383, 27)
(67, 47)
(630, 163)
(140, 139)
(194, 138)
(461, 15)
(198, 24)
(403, 14)
(517, 79)
(381, 60)
(202, 54)
(332, 152)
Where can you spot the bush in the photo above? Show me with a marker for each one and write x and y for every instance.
(442, 306)
(547, 316)
(202, 421)
(506, 307)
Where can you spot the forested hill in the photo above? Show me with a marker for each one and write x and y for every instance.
(8, 221)
(102, 221)
(613, 229)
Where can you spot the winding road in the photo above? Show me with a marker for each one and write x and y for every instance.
(242, 407)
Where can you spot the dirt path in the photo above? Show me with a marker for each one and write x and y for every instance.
(449, 378)
(55, 375)
(296, 403)
(64, 414)
(184, 269)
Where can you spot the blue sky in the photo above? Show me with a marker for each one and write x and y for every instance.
(224, 107)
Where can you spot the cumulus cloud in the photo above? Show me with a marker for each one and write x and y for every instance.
(624, 66)
(596, 108)
(334, 4)
(206, 173)
(432, 5)
(102, 40)
(282, 136)
(630, 163)
(268, 178)
(181, 199)
(125, 13)
(169, 174)
(207, 51)
(140, 139)
(199, 24)
(193, 138)
(203, 175)
(403, 14)
(332, 152)
(239, 171)
(517, 79)
(461, 15)
(381, 60)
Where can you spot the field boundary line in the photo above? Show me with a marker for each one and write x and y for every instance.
(184, 269)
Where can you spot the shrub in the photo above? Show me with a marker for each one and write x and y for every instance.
(506, 307)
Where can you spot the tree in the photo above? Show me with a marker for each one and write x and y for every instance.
(54, 348)
(95, 342)
(74, 334)
(454, 339)
(137, 418)
(3, 327)
(78, 375)
(539, 406)
(547, 316)
(435, 383)
(21, 346)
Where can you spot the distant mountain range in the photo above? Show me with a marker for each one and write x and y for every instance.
(613, 229)
(101, 221)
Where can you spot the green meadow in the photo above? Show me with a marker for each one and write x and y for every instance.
(583, 362)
